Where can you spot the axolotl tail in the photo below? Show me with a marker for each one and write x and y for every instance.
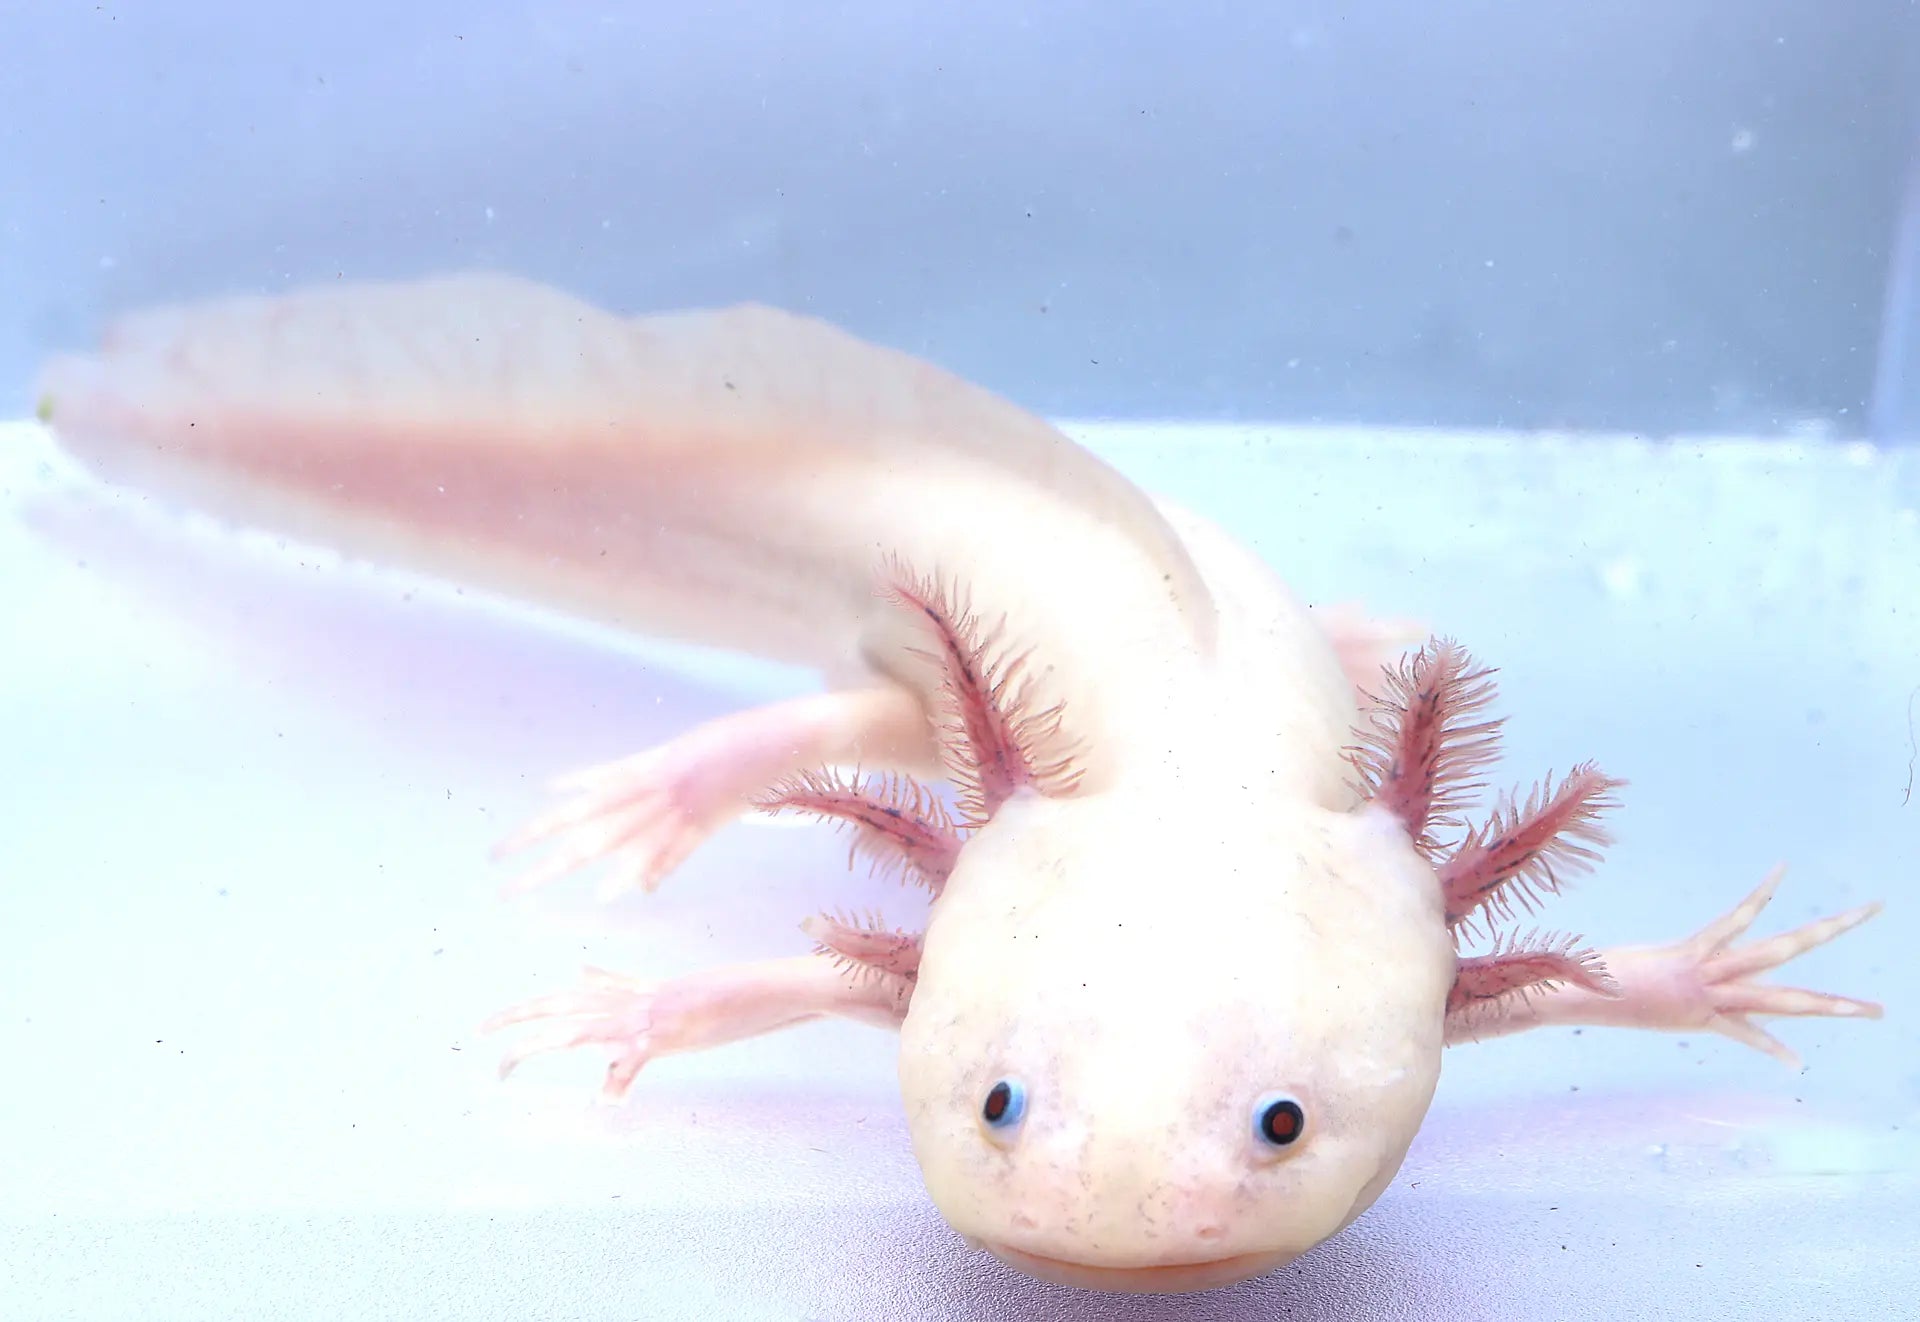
(697, 475)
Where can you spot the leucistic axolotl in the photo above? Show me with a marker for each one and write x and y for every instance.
(1158, 754)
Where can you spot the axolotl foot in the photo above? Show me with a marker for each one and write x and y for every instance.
(1707, 982)
(608, 1010)
(640, 1021)
(642, 816)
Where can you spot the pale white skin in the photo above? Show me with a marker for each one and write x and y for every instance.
(1137, 1165)
(1213, 925)
(1211, 917)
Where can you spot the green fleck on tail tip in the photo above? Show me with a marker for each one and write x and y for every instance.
(44, 409)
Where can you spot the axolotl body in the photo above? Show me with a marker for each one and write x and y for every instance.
(1194, 950)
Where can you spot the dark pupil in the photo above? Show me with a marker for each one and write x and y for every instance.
(997, 1099)
(1281, 1123)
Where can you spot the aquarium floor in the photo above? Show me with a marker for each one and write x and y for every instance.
(247, 795)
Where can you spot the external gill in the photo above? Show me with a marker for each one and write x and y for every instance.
(1427, 741)
(898, 825)
(994, 743)
(903, 830)
(1521, 853)
(864, 946)
(1421, 759)
(1518, 967)
(993, 738)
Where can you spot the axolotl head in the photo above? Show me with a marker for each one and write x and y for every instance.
(1146, 1057)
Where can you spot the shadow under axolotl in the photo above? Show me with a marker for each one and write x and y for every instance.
(495, 698)
(1541, 1206)
(428, 665)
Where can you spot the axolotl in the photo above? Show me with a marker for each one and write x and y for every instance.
(1204, 886)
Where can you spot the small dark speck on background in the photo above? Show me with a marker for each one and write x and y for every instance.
(1913, 749)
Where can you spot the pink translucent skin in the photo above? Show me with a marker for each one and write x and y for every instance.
(643, 815)
(681, 473)
(639, 1021)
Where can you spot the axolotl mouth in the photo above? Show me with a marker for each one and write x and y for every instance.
(1163, 1278)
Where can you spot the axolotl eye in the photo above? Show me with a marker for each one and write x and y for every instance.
(1278, 1121)
(1005, 1105)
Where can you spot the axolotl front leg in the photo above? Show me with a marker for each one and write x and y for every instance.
(1428, 741)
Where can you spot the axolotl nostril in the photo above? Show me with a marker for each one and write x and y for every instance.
(1194, 951)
